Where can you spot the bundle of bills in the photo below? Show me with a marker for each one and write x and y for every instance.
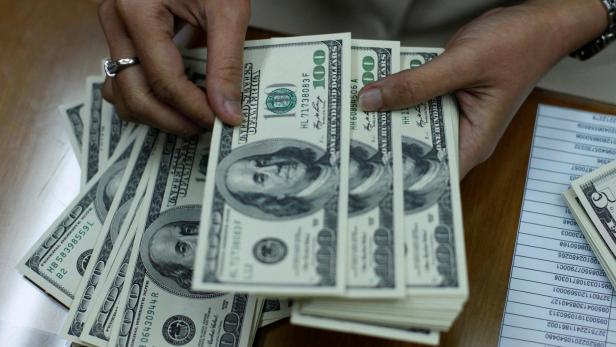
(435, 286)
(592, 202)
(355, 214)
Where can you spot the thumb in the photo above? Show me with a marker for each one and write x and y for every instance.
(444, 74)
(226, 29)
(468, 147)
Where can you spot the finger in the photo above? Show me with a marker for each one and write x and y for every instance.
(453, 70)
(152, 32)
(468, 153)
(482, 124)
(117, 101)
(190, 37)
(226, 30)
(121, 109)
(130, 83)
(108, 90)
(142, 105)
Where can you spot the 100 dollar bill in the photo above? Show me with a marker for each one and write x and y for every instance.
(58, 260)
(276, 197)
(158, 306)
(122, 212)
(435, 258)
(375, 265)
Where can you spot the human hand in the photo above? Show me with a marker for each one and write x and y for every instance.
(157, 92)
(491, 65)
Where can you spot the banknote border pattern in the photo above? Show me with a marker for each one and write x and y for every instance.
(96, 109)
(98, 329)
(115, 133)
(446, 241)
(75, 118)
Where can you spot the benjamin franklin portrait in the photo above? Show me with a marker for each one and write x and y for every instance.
(426, 175)
(370, 178)
(168, 249)
(277, 178)
(172, 251)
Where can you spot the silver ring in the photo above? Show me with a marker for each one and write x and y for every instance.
(112, 67)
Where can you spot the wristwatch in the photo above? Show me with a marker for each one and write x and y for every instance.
(596, 45)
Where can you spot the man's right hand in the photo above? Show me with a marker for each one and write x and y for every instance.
(157, 92)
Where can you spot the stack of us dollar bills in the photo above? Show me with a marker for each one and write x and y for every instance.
(592, 201)
(200, 241)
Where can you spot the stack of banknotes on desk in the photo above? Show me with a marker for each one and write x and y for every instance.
(592, 202)
(200, 241)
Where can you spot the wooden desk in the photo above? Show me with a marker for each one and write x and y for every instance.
(47, 50)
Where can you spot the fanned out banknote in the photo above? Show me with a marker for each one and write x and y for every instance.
(58, 260)
(92, 159)
(275, 205)
(103, 130)
(121, 216)
(375, 254)
(435, 259)
(103, 311)
(73, 119)
(157, 303)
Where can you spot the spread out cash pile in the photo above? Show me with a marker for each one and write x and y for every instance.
(592, 201)
(200, 241)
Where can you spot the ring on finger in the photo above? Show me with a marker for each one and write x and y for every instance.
(113, 66)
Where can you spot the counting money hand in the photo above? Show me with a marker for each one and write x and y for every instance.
(276, 195)
(58, 260)
(596, 192)
(121, 215)
(375, 265)
(158, 307)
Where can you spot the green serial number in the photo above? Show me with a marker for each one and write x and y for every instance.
(54, 267)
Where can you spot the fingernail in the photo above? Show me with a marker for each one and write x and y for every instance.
(371, 100)
(233, 108)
